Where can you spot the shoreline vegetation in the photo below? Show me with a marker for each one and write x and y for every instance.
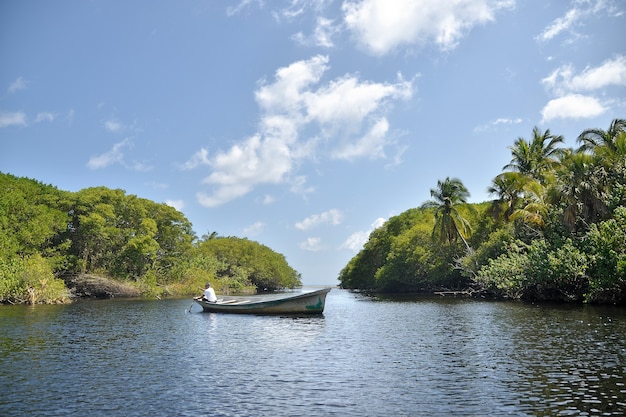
(98, 242)
(555, 231)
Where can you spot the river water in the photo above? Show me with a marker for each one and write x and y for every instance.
(364, 357)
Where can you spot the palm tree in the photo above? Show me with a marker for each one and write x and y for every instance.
(592, 139)
(614, 160)
(449, 224)
(608, 152)
(508, 187)
(609, 149)
(537, 156)
(535, 207)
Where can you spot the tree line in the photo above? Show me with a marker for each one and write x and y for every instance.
(48, 235)
(556, 229)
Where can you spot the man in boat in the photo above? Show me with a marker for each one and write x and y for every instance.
(208, 294)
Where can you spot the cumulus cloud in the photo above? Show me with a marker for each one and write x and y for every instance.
(12, 119)
(611, 72)
(177, 204)
(238, 170)
(221, 195)
(344, 104)
(382, 26)
(286, 92)
(575, 92)
(372, 144)
(355, 241)
(573, 106)
(311, 244)
(300, 113)
(332, 216)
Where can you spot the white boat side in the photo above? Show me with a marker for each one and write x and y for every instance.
(312, 302)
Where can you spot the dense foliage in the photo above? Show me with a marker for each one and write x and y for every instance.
(264, 268)
(47, 235)
(555, 231)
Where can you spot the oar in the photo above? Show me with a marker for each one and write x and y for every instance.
(189, 311)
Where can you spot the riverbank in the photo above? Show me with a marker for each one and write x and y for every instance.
(96, 286)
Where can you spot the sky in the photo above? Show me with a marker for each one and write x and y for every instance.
(300, 124)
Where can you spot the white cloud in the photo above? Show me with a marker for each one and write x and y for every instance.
(113, 125)
(561, 24)
(237, 171)
(243, 4)
(296, 8)
(254, 229)
(355, 241)
(285, 94)
(299, 186)
(312, 244)
(381, 26)
(139, 166)
(372, 144)
(503, 121)
(45, 117)
(575, 92)
(325, 30)
(12, 119)
(298, 115)
(222, 195)
(19, 84)
(346, 103)
(575, 18)
(332, 216)
(611, 72)
(177, 204)
(573, 106)
(199, 158)
(115, 155)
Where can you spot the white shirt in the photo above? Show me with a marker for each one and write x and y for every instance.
(209, 294)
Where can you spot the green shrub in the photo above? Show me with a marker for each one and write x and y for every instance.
(606, 244)
(31, 280)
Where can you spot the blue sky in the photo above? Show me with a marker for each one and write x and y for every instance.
(300, 124)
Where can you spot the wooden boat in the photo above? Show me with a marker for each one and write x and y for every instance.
(302, 303)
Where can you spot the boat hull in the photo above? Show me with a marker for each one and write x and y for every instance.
(306, 303)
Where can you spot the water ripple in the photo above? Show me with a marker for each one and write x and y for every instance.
(363, 357)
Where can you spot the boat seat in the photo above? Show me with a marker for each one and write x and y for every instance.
(233, 301)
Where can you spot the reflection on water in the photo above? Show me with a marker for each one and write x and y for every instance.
(364, 356)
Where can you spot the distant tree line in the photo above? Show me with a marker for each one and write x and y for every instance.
(48, 235)
(556, 229)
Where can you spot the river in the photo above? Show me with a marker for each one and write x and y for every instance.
(363, 357)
